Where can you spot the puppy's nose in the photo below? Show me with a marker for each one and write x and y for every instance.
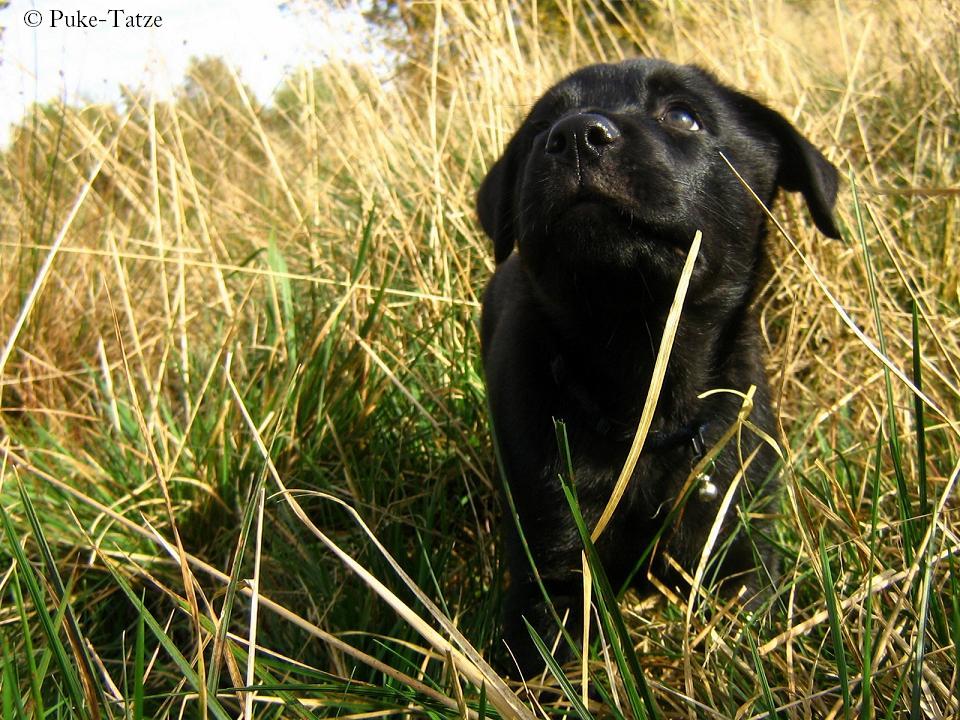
(579, 138)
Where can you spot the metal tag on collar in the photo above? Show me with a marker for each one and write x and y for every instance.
(707, 491)
(699, 445)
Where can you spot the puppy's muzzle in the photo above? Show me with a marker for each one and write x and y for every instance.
(579, 139)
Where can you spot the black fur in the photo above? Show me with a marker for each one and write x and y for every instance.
(601, 191)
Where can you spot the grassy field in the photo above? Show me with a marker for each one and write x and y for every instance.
(245, 462)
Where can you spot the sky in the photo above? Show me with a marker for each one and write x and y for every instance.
(262, 38)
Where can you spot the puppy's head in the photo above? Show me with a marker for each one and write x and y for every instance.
(617, 166)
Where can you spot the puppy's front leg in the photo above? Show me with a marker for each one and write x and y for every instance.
(559, 569)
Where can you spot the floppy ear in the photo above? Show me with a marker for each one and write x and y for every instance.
(495, 207)
(802, 167)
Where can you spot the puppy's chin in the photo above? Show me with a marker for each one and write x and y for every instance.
(597, 252)
(600, 224)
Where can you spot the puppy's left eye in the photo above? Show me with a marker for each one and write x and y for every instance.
(680, 117)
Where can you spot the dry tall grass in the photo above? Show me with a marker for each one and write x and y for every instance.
(191, 287)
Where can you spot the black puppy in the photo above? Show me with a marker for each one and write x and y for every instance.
(601, 191)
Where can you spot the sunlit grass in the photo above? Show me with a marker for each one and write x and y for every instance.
(228, 330)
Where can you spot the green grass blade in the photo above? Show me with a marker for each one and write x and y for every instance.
(767, 693)
(894, 703)
(36, 675)
(867, 651)
(9, 687)
(226, 611)
(925, 569)
(954, 598)
(49, 625)
(65, 611)
(603, 609)
(640, 699)
(364, 248)
(919, 649)
(830, 593)
(638, 693)
(903, 495)
(918, 413)
(280, 277)
(139, 667)
(569, 691)
(184, 666)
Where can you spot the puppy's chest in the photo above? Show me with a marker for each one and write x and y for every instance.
(658, 477)
(597, 399)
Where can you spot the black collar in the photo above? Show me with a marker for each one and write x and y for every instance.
(657, 440)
